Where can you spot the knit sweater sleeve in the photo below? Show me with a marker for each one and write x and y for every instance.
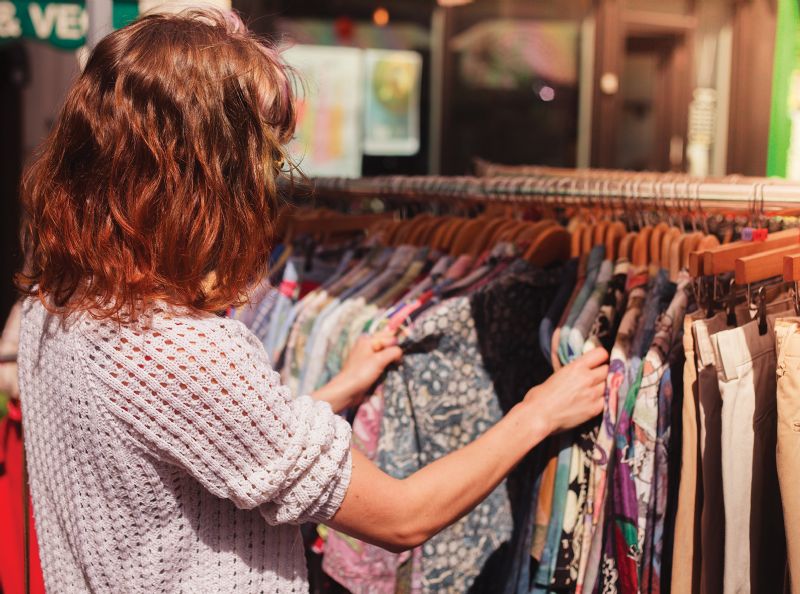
(200, 394)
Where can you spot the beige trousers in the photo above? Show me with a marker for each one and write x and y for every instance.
(686, 546)
(787, 336)
(755, 549)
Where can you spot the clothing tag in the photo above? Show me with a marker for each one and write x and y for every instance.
(288, 288)
(751, 234)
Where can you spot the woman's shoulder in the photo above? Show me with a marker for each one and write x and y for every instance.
(161, 329)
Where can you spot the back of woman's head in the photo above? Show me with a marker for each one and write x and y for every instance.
(158, 181)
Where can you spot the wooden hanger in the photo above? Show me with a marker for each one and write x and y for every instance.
(587, 239)
(452, 232)
(689, 245)
(322, 226)
(505, 231)
(791, 268)
(528, 234)
(402, 233)
(675, 260)
(763, 265)
(417, 227)
(696, 263)
(576, 243)
(722, 259)
(382, 229)
(551, 245)
(424, 232)
(483, 239)
(600, 232)
(463, 239)
(671, 235)
(626, 246)
(655, 243)
(443, 237)
(641, 247)
(510, 231)
(614, 235)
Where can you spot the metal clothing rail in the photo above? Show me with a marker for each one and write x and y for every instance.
(578, 187)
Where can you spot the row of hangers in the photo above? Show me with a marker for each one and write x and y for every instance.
(608, 213)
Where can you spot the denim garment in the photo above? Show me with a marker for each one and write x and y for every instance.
(468, 361)
(553, 315)
(658, 298)
(583, 324)
(288, 292)
(592, 269)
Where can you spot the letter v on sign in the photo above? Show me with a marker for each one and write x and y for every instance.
(43, 20)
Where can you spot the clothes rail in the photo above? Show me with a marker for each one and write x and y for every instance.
(667, 190)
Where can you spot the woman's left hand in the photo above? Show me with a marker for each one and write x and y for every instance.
(365, 364)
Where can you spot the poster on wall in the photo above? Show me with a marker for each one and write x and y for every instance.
(328, 137)
(392, 102)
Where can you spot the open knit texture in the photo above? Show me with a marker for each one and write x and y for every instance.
(165, 456)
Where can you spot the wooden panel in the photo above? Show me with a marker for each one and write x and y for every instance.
(609, 48)
(751, 86)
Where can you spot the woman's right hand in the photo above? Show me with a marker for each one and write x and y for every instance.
(573, 394)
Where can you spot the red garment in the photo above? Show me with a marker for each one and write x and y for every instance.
(12, 539)
(306, 287)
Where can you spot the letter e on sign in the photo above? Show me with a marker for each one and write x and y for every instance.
(69, 24)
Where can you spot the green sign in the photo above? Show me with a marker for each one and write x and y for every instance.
(63, 24)
(783, 152)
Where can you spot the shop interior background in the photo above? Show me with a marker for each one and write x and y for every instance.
(426, 87)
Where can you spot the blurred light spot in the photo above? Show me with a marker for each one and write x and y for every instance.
(547, 93)
(380, 17)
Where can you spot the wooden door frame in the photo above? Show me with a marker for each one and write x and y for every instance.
(752, 59)
(615, 25)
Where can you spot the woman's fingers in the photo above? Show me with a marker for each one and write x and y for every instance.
(599, 374)
(383, 339)
(594, 358)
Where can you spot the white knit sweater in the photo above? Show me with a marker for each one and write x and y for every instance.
(168, 458)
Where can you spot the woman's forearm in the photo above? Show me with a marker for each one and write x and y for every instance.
(407, 512)
(399, 514)
(448, 488)
(338, 393)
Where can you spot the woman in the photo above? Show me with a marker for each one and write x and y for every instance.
(164, 454)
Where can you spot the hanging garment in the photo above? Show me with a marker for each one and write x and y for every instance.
(361, 567)
(685, 575)
(557, 307)
(646, 408)
(288, 294)
(755, 553)
(465, 363)
(787, 338)
(12, 516)
(595, 261)
(604, 451)
(648, 421)
(612, 306)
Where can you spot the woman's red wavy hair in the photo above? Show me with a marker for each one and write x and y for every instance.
(159, 179)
